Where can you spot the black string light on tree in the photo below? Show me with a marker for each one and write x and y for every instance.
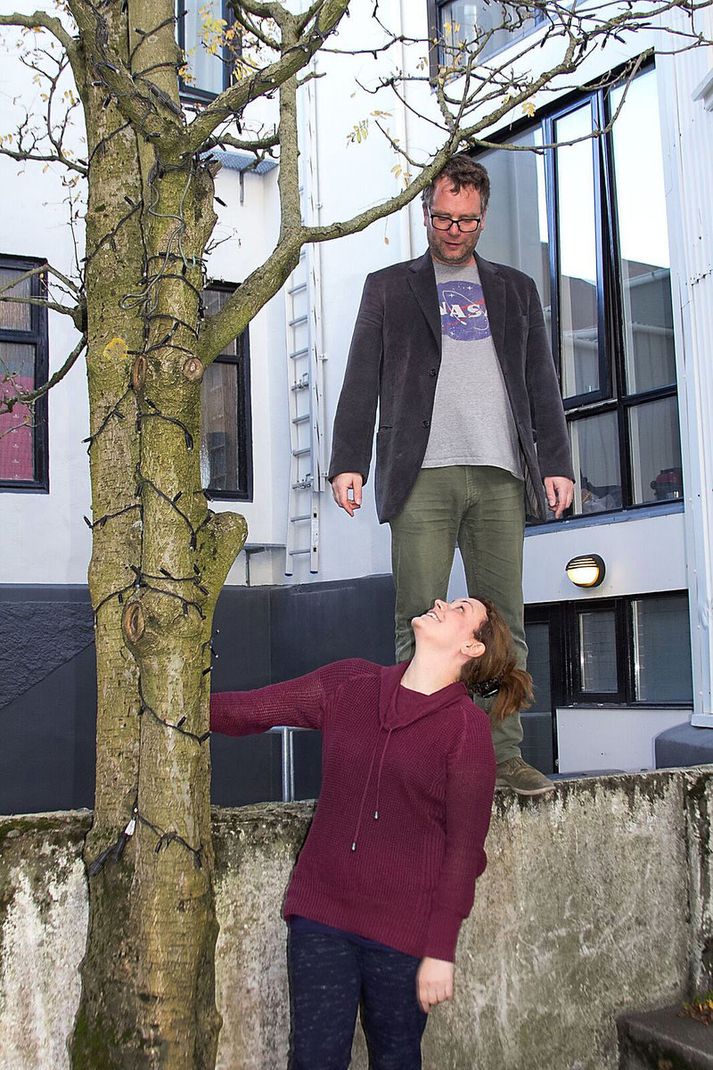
(133, 615)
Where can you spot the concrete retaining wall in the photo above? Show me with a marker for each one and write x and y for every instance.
(596, 900)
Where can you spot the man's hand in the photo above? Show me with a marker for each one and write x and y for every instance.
(559, 491)
(341, 485)
(434, 982)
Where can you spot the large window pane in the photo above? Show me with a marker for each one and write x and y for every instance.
(220, 462)
(579, 335)
(17, 375)
(502, 23)
(458, 21)
(516, 222)
(538, 665)
(15, 317)
(597, 652)
(662, 650)
(226, 447)
(203, 51)
(641, 220)
(595, 454)
(655, 451)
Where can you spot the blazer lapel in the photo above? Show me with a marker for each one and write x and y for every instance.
(422, 279)
(495, 294)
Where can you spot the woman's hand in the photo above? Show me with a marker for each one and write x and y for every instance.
(434, 982)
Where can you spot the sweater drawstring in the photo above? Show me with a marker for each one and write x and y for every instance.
(378, 778)
(363, 796)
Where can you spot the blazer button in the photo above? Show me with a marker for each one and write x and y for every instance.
(433, 372)
(426, 423)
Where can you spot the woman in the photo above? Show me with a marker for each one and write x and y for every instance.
(388, 870)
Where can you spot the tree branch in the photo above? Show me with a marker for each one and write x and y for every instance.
(219, 330)
(259, 144)
(393, 204)
(265, 81)
(47, 22)
(77, 313)
(31, 157)
(288, 180)
(7, 404)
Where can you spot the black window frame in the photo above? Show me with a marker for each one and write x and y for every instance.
(192, 93)
(565, 681)
(241, 359)
(580, 696)
(435, 56)
(613, 394)
(38, 336)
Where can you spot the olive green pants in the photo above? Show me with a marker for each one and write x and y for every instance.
(481, 510)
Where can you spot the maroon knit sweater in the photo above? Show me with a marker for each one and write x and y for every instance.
(396, 842)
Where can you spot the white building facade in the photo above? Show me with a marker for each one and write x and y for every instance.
(616, 230)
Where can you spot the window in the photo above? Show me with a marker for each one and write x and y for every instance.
(661, 650)
(598, 642)
(623, 652)
(588, 221)
(23, 367)
(454, 22)
(226, 435)
(207, 62)
(539, 745)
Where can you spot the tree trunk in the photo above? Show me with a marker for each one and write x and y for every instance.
(159, 561)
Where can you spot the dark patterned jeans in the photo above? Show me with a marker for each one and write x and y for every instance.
(329, 977)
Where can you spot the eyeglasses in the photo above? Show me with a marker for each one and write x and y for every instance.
(465, 226)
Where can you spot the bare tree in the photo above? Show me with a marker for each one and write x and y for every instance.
(160, 555)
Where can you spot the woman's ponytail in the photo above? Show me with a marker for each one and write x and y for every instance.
(495, 674)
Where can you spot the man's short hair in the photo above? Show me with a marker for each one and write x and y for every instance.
(461, 171)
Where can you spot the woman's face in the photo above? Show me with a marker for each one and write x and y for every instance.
(451, 626)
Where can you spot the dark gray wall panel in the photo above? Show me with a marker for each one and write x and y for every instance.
(42, 628)
(262, 634)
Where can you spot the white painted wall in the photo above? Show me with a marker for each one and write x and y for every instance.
(599, 738)
(641, 555)
(43, 538)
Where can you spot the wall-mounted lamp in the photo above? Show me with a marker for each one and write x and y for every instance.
(586, 571)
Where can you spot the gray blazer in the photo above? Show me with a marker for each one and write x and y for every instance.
(394, 360)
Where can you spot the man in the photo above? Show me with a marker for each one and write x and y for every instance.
(454, 350)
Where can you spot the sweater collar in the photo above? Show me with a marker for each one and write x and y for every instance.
(398, 706)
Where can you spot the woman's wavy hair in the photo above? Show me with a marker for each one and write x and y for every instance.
(495, 671)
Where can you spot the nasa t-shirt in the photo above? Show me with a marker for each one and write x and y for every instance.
(472, 422)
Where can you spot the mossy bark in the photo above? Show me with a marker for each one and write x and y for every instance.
(159, 560)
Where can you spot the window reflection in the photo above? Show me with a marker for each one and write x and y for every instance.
(597, 652)
(205, 69)
(656, 451)
(579, 335)
(17, 376)
(643, 240)
(15, 317)
(461, 20)
(662, 649)
(595, 454)
(226, 448)
(458, 21)
(516, 222)
(538, 665)
(219, 441)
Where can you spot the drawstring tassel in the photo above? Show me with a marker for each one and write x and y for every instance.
(376, 815)
(354, 846)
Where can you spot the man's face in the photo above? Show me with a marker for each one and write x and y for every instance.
(452, 246)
